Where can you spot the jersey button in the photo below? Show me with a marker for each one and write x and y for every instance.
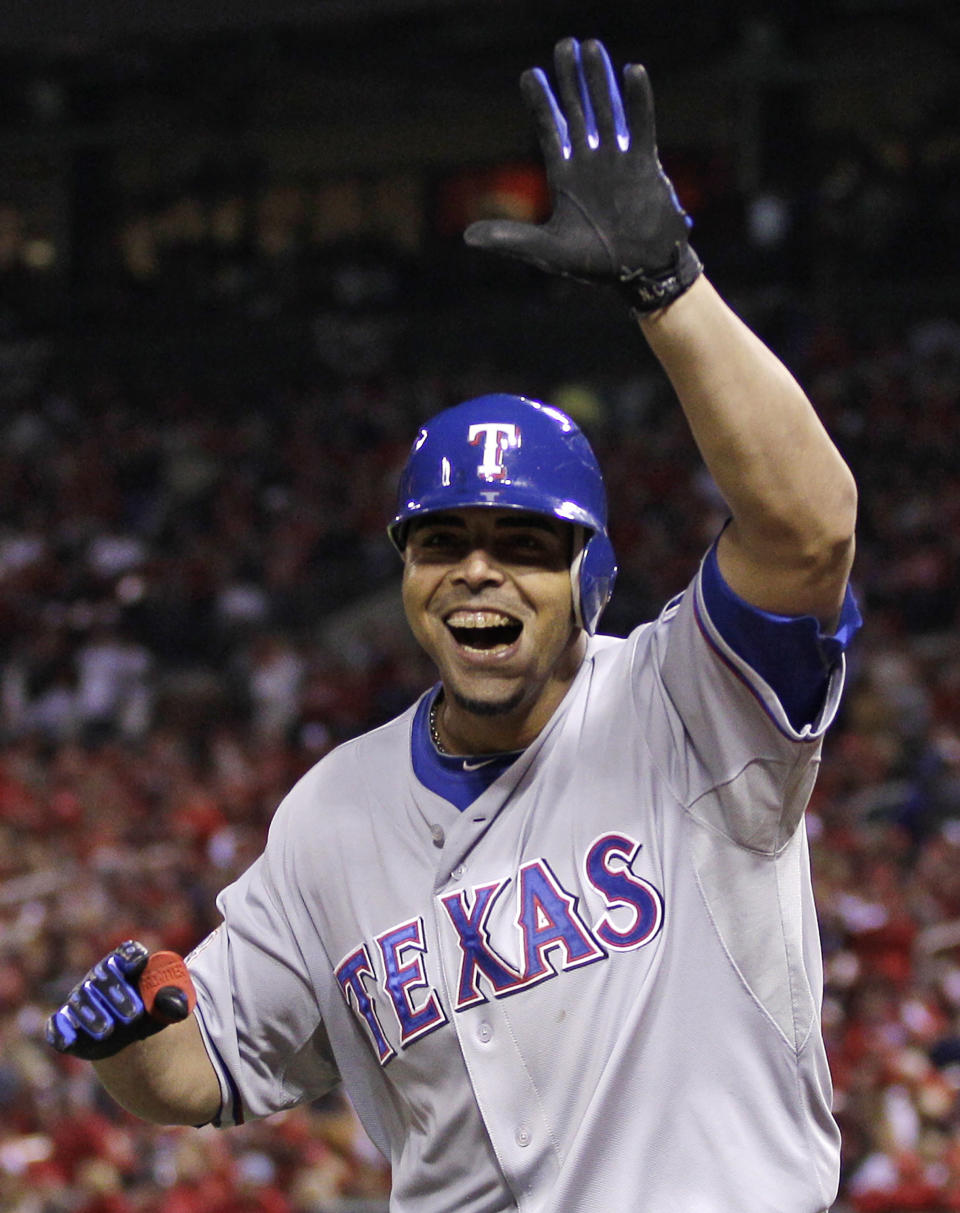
(436, 833)
(484, 1033)
(458, 871)
(522, 1136)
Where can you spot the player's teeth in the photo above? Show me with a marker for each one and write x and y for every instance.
(478, 619)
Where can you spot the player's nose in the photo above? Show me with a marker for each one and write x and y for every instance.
(478, 568)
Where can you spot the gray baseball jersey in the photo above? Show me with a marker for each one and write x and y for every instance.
(595, 989)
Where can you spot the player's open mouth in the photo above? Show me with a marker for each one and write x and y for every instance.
(483, 631)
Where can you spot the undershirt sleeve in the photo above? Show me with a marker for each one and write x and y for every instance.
(790, 652)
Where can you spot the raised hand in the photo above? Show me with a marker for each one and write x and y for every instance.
(615, 216)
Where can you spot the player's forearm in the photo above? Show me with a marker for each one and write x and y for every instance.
(167, 1079)
(792, 497)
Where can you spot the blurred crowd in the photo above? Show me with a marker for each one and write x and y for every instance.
(186, 626)
(166, 675)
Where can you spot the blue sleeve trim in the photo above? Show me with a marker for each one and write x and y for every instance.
(789, 652)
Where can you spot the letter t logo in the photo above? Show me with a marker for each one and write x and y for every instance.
(497, 437)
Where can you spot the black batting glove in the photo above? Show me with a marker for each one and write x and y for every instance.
(104, 1012)
(616, 217)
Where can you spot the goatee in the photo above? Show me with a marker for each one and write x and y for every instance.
(484, 707)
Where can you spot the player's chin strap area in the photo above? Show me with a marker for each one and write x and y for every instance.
(593, 571)
(580, 536)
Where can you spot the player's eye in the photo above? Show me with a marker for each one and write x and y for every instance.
(532, 547)
(437, 540)
(522, 541)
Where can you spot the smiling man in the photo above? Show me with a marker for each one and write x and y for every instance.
(498, 504)
(487, 594)
(553, 926)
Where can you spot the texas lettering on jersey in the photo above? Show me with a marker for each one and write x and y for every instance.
(384, 980)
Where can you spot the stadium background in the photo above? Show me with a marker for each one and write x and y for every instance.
(231, 283)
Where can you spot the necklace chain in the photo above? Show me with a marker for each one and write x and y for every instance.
(434, 731)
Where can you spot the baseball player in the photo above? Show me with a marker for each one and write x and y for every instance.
(553, 926)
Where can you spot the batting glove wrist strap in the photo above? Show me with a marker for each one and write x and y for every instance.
(616, 218)
(647, 293)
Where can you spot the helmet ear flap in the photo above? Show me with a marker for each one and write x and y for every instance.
(592, 573)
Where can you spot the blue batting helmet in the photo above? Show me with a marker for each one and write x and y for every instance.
(511, 453)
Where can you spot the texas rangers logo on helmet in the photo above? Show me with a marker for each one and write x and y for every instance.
(497, 437)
